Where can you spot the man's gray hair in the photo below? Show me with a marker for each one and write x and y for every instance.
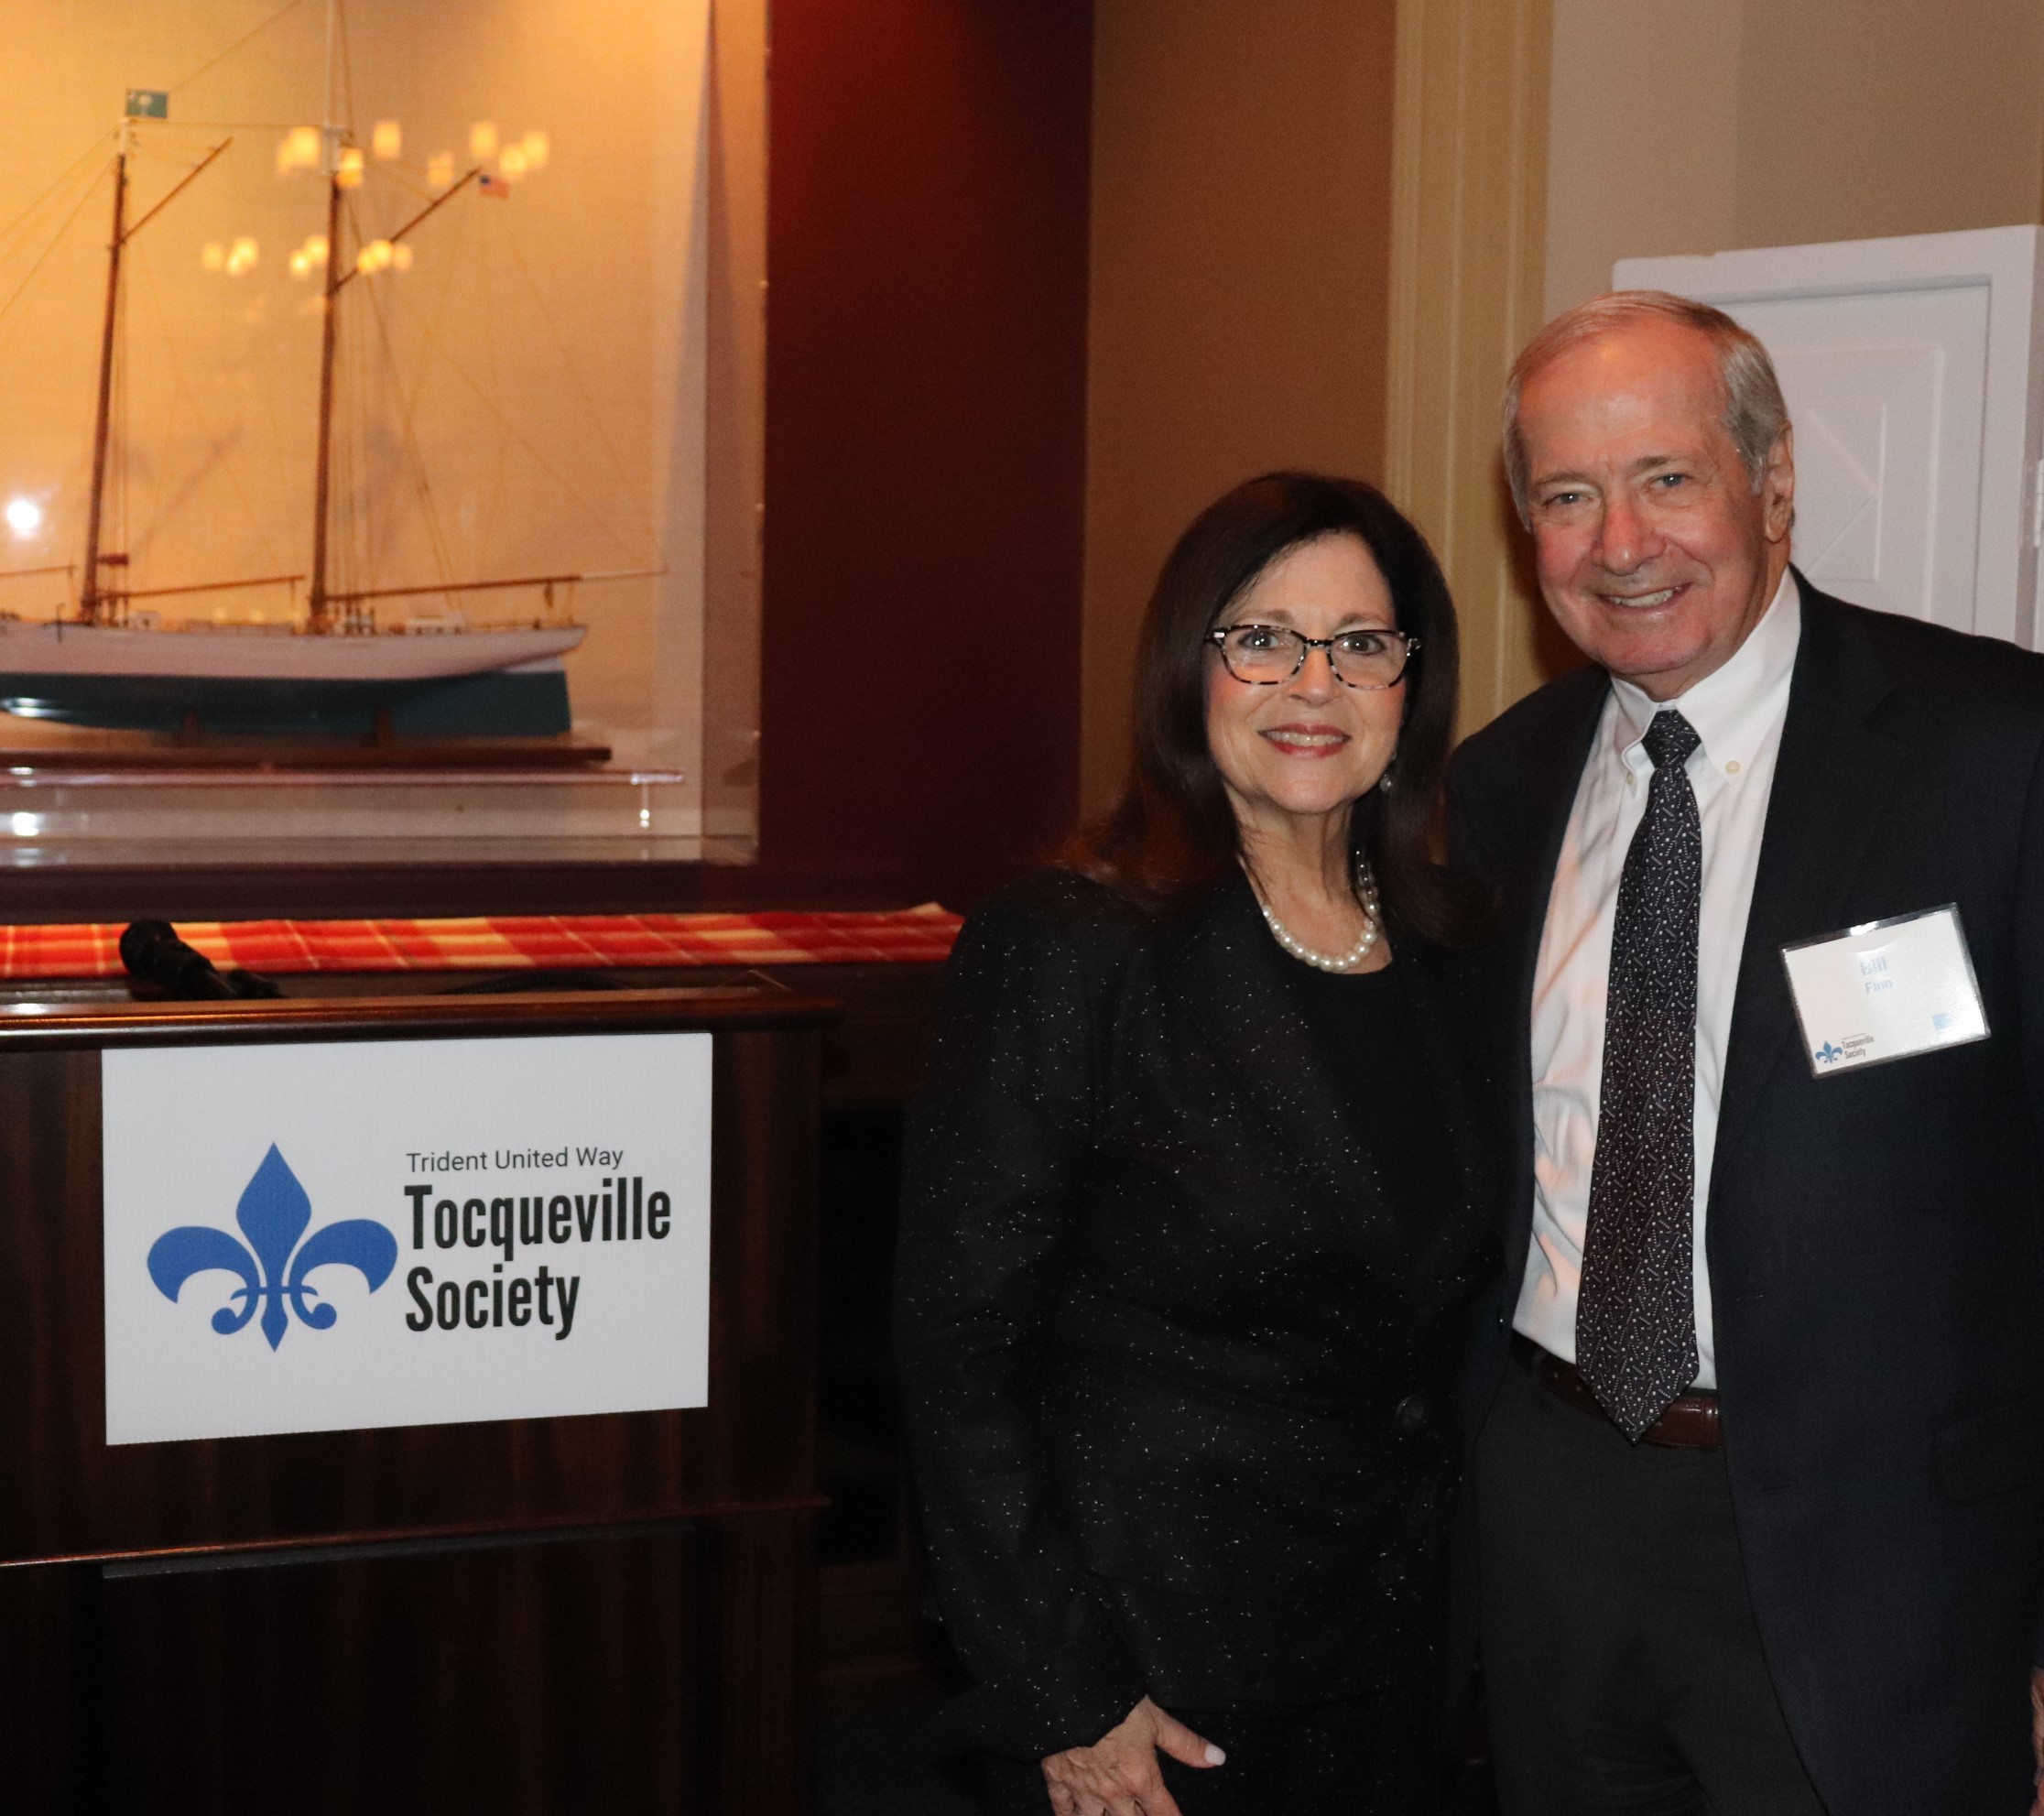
(1755, 414)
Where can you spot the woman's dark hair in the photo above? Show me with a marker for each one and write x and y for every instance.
(1171, 837)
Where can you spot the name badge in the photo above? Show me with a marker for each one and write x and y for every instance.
(1885, 989)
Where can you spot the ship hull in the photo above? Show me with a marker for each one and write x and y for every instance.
(527, 702)
(482, 683)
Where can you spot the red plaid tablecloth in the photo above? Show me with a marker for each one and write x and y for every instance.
(912, 936)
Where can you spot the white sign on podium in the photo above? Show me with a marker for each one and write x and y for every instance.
(351, 1235)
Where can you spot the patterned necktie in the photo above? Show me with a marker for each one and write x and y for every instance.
(1635, 1314)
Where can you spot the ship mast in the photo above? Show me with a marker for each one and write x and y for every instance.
(89, 600)
(320, 601)
(321, 611)
(95, 602)
(320, 617)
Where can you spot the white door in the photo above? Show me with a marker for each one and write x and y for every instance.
(1912, 372)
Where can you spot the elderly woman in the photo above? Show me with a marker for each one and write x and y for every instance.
(1196, 1197)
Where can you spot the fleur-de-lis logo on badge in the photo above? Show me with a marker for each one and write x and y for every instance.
(1829, 1055)
(273, 1212)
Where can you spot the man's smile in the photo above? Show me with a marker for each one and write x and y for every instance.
(1641, 602)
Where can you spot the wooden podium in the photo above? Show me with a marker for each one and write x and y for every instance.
(591, 1617)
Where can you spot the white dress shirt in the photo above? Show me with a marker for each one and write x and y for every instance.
(1737, 711)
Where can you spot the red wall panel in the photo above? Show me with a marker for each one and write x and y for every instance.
(924, 442)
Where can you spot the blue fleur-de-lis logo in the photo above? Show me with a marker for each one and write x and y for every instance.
(273, 1213)
(1829, 1055)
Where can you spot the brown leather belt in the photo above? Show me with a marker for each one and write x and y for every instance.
(1691, 1423)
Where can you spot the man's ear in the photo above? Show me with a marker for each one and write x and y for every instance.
(1778, 486)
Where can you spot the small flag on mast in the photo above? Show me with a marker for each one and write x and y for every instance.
(148, 103)
(489, 183)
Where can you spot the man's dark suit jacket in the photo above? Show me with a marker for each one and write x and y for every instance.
(1177, 1374)
(1876, 1238)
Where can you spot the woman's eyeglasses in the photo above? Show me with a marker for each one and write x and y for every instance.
(1264, 655)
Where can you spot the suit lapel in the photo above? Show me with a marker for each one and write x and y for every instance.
(1832, 779)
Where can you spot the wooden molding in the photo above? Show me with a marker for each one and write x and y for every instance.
(1468, 267)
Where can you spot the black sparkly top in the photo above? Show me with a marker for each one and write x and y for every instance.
(1365, 1025)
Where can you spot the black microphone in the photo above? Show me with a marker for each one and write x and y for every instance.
(152, 952)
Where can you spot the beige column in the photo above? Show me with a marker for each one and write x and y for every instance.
(1468, 234)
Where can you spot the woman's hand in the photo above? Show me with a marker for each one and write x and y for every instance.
(1118, 1775)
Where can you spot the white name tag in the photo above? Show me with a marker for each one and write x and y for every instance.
(1885, 989)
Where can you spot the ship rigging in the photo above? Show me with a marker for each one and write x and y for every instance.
(117, 661)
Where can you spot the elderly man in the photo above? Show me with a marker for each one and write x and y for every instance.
(1759, 1459)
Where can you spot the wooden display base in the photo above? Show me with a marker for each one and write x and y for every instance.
(26, 744)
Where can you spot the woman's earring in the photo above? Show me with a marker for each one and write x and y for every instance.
(1384, 781)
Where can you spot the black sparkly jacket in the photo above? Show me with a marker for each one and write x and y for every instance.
(1176, 1374)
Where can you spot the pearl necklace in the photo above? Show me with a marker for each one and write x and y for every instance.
(1339, 963)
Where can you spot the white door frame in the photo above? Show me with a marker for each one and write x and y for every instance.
(2010, 262)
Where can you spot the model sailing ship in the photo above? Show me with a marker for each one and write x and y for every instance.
(335, 673)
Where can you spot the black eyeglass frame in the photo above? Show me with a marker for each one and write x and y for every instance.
(1219, 635)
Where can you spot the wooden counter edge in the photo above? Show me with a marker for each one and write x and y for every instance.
(714, 1009)
(324, 1546)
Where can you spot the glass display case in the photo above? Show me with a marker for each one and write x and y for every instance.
(368, 367)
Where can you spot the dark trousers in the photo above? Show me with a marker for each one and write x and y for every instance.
(1332, 1760)
(1624, 1667)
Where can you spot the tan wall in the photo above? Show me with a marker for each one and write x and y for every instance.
(1745, 123)
(1468, 184)
(1866, 117)
(1638, 166)
(1240, 247)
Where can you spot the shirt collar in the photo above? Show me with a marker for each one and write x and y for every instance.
(1734, 707)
